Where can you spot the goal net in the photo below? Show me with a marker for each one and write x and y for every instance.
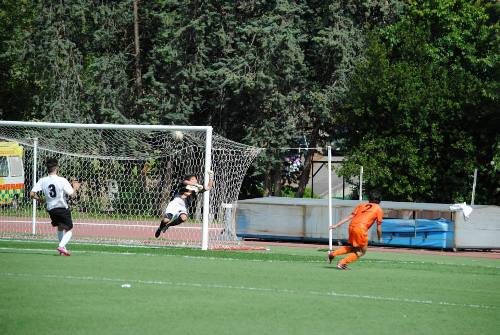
(128, 174)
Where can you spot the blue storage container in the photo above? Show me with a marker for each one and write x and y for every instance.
(422, 233)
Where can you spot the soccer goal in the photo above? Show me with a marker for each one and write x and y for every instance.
(128, 173)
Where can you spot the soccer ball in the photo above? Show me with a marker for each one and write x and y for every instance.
(178, 136)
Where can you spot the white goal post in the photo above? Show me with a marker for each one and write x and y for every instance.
(128, 174)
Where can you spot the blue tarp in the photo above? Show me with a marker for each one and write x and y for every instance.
(418, 233)
(420, 225)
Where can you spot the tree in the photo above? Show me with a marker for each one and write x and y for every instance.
(236, 65)
(420, 115)
(337, 39)
(74, 54)
(16, 85)
(137, 47)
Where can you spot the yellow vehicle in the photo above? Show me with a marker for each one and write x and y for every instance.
(11, 173)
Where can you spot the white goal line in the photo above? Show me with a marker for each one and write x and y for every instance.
(249, 288)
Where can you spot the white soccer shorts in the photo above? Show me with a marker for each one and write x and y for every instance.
(176, 207)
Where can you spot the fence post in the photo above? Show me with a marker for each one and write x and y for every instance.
(474, 187)
(35, 160)
(330, 210)
(361, 184)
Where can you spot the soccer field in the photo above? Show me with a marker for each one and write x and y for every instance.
(280, 291)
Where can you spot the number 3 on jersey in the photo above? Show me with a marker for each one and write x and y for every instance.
(52, 191)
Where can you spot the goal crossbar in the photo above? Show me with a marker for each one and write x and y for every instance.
(100, 126)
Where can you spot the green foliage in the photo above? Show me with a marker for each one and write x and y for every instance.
(16, 85)
(420, 111)
(290, 192)
(74, 55)
(410, 87)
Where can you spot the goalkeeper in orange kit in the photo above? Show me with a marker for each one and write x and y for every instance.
(362, 218)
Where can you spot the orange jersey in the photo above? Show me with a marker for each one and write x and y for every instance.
(366, 214)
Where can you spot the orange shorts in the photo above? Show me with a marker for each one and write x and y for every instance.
(358, 236)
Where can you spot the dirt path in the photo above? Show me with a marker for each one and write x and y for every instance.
(92, 229)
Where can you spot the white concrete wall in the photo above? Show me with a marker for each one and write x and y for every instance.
(482, 230)
(308, 219)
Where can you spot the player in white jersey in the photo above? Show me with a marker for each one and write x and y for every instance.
(55, 189)
(177, 209)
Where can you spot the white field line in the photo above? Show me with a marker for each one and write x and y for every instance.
(106, 224)
(85, 243)
(80, 252)
(324, 261)
(249, 288)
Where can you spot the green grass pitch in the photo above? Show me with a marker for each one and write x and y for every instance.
(281, 291)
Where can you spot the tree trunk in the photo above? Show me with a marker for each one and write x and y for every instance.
(267, 181)
(138, 75)
(304, 177)
(277, 180)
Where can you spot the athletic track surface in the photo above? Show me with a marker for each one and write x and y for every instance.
(142, 232)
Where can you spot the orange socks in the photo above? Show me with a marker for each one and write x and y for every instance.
(342, 251)
(350, 258)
